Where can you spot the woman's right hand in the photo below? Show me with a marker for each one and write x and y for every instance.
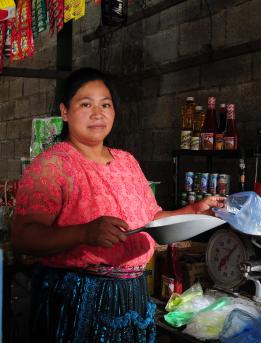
(105, 231)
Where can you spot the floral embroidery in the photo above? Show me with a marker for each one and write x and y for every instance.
(61, 183)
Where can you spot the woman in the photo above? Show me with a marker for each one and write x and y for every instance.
(74, 204)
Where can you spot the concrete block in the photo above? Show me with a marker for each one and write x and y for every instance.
(14, 169)
(22, 148)
(13, 129)
(180, 81)
(25, 128)
(164, 142)
(243, 22)
(180, 13)
(2, 131)
(31, 86)
(22, 108)
(4, 167)
(157, 113)
(194, 36)
(257, 66)
(151, 25)
(4, 93)
(150, 87)
(227, 71)
(161, 47)
(37, 105)
(17, 87)
(219, 30)
(8, 110)
(214, 6)
(7, 149)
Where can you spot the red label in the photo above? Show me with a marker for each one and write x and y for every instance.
(207, 140)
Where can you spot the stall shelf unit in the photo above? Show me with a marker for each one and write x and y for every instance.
(209, 155)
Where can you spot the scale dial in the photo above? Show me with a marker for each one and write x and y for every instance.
(225, 251)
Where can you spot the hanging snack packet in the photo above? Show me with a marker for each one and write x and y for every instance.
(45, 132)
(2, 44)
(73, 9)
(56, 15)
(9, 33)
(39, 17)
(22, 45)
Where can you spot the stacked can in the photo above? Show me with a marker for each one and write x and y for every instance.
(223, 183)
(204, 183)
(213, 183)
(189, 177)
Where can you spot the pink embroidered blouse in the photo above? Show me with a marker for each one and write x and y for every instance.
(62, 183)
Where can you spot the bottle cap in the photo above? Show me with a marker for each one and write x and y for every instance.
(190, 98)
(199, 108)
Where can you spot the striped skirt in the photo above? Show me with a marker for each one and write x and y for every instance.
(73, 307)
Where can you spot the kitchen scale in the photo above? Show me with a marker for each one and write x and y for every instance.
(232, 259)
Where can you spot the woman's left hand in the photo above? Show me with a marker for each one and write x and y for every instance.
(204, 206)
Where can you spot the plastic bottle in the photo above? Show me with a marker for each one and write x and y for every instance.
(188, 111)
(210, 126)
(230, 135)
(198, 121)
(219, 136)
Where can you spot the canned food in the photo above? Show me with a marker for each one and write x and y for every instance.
(195, 143)
(196, 184)
(191, 197)
(213, 183)
(185, 139)
(189, 181)
(223, 182)
(199, 196)
(184, 196)
(204, 183)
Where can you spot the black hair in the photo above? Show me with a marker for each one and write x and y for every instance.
(76, 80)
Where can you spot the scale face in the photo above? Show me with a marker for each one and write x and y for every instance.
(225, 251)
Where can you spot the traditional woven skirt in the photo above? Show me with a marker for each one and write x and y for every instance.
(74, 307)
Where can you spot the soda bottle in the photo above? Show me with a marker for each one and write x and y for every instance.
(219, 136)
(175, 270)
(210, 126)
(198, 121)
(230, 135)
(188, 111)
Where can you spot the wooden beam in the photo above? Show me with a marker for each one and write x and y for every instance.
(35, 73)
(144, 13)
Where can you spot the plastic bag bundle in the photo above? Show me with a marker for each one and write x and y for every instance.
(243, 212)
(241, 327)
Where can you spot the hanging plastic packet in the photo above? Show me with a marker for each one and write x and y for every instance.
(114, 12)
(9, 33)
(2, 44)
(243, 212)
(73, 9)
(55, 10)
(39, 17)
(7, 9)
(22, 44)
(45, 132)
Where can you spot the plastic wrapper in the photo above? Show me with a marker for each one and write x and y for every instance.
(73, 9)
(45, 132)
(205, 326)
(176, 300)
(243, 212)
(241, 327)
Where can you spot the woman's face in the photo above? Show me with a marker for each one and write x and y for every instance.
(91, 113)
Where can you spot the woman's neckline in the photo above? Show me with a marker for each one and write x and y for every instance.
(89, 160)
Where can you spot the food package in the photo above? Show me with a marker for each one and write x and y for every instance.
(45, 132)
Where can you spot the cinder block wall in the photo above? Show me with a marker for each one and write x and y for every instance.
(192, 48)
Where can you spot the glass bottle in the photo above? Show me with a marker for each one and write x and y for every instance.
(198, 122)
(219, 136)
(187, 114)
(230, 134)
(174, 267)
(210, 126)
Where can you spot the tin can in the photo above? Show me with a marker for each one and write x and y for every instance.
(189, 181)
(185, 139)
(213, 183)
(204, 183)
(195, 143)
(167, 287)
(223, 182)
(184, 199)
(199, 196)
(191, 197)
(196, 184)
